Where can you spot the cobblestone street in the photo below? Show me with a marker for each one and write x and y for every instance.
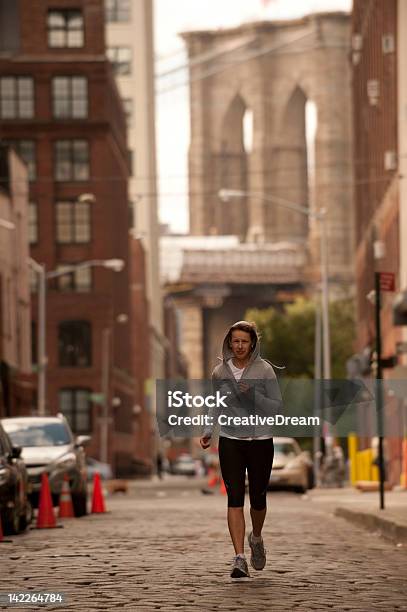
(169, 550)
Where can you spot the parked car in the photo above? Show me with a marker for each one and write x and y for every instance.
(15, 507)
(184, 465)
(291, 466)
(94, 466)
(48, 445)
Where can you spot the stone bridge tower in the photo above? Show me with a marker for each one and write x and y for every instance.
(255, 81)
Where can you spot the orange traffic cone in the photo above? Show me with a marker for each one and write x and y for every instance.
(98, 503)
(65, 500)
(212, 477)
(46, 517)
(222, 487)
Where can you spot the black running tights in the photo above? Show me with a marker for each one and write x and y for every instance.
(237, 456)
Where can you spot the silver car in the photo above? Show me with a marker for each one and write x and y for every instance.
(184, 465)
(49, 446)
(291, 466)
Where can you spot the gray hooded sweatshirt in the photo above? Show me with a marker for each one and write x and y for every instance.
(261, 401)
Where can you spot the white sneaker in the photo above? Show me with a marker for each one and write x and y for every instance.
(258, 556)
(239, 568)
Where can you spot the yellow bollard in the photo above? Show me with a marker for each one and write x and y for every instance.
(353, 459)
(369, 466)
(365, 464)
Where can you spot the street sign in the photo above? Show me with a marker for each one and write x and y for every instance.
(97, 398)
(387, 281)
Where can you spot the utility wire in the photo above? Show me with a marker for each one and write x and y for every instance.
(203, 58)
(253, 55)
(162, 57)
(249, 57)
(282, 187)
(269, 172)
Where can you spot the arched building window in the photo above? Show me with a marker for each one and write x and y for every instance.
(75, 344)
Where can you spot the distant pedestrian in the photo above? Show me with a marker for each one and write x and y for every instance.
(241, 369)
(159, 465)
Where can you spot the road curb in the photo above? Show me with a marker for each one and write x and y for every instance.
(389, 529)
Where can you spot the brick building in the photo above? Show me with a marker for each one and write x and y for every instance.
(376, 165)
(374, 61)
(17, 386)
(61, 110)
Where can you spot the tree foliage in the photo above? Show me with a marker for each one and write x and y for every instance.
(288, 336)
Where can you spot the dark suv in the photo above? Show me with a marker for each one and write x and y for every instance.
(15, 508)
(49, 446)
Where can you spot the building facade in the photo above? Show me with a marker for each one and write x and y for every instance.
(61, 111)
(375, 112)
(130, 47)
(378, 161)
(17, 387)
(401, 300)
(251, 91)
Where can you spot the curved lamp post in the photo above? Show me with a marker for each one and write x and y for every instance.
(116, 265)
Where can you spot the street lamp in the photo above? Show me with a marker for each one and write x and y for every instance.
(116, 265)
(321, 216)
(227, 194)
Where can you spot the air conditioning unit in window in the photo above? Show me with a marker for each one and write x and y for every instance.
(357, 45)
(356, 55)
(373, 91)
(357, 42)
(390, 160)
(388, 45)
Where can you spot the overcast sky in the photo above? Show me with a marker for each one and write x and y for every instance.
(172, 17)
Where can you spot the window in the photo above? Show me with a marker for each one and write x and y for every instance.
(71, 160)
(16, 97)
(128, 109)
(32, 222)
(121, 59)
(73, 222)
(75, 344)
(117, 10)
(75, 404)
(78, 280)
(26, 150)
(70, 97)
(65, 28)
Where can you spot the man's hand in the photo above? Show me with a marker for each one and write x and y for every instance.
(205, 442)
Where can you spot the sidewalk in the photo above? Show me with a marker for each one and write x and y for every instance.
(363, 509)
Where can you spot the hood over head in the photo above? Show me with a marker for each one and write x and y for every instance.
(251, 328)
